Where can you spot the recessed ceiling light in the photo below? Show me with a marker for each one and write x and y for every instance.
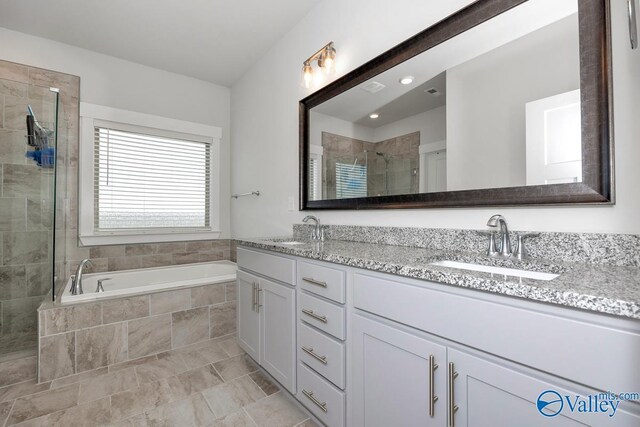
(406, 80)
(374, 115)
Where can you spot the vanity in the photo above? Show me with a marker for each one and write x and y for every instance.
(366, 334)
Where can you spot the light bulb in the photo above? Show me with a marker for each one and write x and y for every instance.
(406, 80)
(307, 75)
(374, 115)
(329, 60)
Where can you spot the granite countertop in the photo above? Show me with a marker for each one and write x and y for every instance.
(600, 288)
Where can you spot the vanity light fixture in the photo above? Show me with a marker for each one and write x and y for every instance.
(326, 59)
(407, 80)
(374, 116)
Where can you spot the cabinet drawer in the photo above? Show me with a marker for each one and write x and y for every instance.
(325, 355)
(568, 347)
(324, 281)
(320, 397)
(323, 315)
(276, 267)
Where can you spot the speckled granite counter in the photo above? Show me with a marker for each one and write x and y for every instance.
(601, 288)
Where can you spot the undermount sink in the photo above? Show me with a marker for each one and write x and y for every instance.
(503, 271)
(287, 241)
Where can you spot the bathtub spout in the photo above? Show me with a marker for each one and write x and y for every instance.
(76, 281)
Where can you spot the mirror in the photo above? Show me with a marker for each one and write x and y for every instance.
(502, 103)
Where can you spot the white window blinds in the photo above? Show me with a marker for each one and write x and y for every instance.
(351, 181)
(314, 178)
(146, 181)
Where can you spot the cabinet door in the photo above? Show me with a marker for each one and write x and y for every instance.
(391, 377)
(247, 315)
(277, 317)
(490, 394)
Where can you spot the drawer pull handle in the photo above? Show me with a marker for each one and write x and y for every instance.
(432, 396)
(258, 305)
(310, 313)
(315, 282)
(453, 408)
(321, 405)
(310, 352)
(254, 296)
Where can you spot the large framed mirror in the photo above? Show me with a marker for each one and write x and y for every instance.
(506, 102)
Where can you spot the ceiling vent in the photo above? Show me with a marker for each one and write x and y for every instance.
(372, 87)
(433, 91)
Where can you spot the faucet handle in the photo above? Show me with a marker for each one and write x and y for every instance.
(99, 288)
(492, 250)
(521, 252)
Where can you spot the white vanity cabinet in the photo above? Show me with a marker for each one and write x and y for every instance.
(408, 379)
(364, 349)
(397, 377)
(322, 331)
(248, 316)
(266, 313)
(399, 325)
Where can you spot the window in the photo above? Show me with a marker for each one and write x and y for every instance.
(141, 183)
(314, 178)
(351, 181)
(147, 181)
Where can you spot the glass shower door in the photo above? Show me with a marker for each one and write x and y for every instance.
(27, 211)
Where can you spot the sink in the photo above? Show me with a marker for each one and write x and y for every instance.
(503, 271)
(286, 241)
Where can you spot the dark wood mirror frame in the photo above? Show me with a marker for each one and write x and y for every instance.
(597, 186)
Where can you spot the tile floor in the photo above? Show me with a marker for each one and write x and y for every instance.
(208, 384)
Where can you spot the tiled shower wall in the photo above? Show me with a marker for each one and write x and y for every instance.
(26, 207)
(399, 175)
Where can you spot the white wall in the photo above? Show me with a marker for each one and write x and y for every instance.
(264, 108)
(431, 124)
(324, 123)
(105, 80)
(486, 98)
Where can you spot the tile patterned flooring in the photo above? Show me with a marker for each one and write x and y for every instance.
(208, 384)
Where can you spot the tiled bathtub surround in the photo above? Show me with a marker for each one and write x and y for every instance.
(75, 339)
(591, 248)
(146, 255)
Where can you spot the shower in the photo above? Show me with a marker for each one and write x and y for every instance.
(386, 159)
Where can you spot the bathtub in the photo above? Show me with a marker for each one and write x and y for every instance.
(146, 280)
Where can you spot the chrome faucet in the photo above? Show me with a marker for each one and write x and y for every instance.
(76, 280)
(318, 233)
(505, 241)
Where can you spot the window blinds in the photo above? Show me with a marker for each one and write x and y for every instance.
(314, 178)
(351, 181)
(144, 181)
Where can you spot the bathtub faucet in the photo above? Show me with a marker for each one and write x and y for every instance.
(76, 280)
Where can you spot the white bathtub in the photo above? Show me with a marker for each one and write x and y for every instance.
(146, 280)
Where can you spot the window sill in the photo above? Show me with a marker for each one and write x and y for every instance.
(123, 239)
